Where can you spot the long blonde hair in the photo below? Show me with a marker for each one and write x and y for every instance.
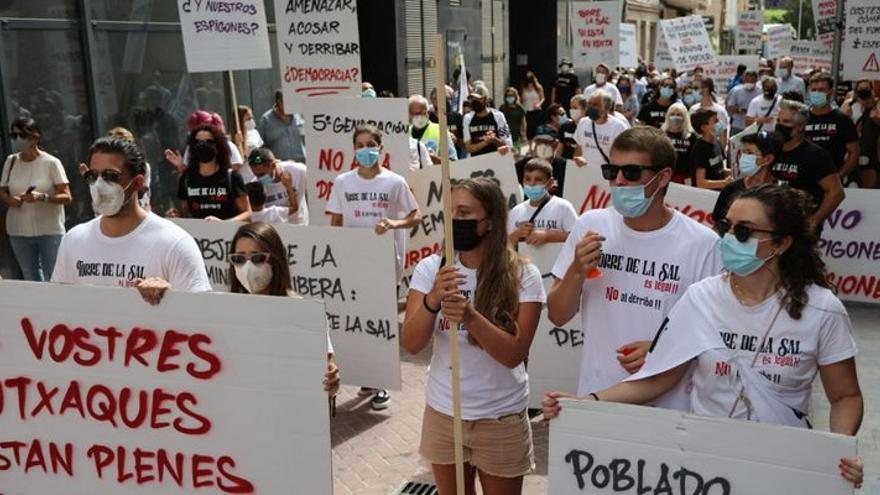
(500, 271)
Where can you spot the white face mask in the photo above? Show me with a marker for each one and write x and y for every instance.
(600, 78)
(107, 197)
(544, 151)
(575, 114)
(420, 121)
(254, 278)
(250, 125)
(21, 144)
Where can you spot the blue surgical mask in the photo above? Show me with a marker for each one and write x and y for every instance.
(368, 93)
(666, 92)
(719, 129)
(748, 164)
(534, 193)
(510, 100)
(690, 99)
(630, 201)
(266, 180)
(783, 73)
(741, 258)
(367, 157)
(818, 98)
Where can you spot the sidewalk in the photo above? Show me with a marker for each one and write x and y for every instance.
(375, 452)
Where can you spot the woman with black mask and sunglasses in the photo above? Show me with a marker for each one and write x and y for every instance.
(789, 326)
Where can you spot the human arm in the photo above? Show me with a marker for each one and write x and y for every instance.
(847, 409)
(541, 237)
(834, 195)
(10, 200)
(418, 323)
(410, 220)
(704, 183)
(852, 159)
(563, 301)
(292, 197)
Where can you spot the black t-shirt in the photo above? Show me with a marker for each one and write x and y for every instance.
(803, 168)
(832, 131)
(707, 155)
(213, 195)
(566, 87)
(478, 127)
(453, 123)
(653, 114)
(683, 146)
(566, 137)
(722, 204)
(558, 165)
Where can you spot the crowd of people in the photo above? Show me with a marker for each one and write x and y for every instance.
(643, 128)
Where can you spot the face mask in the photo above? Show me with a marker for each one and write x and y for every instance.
(784, 73)
(624, 89)
(510, 100)
(719, 129)
(367, 157)
(749, 86)
(593, 113)
(535, 193)
(544, 151)
(748, 164)
(420, 121)
(266, 180)
(784, 131)
(770, 94)
(205, 152)
(630, 201)
(676, 121)
(464, 234)
(566, 69)
(666, 92)
(818, 98)
(254, 278)
(368, 93)
(740, 258)
(600, 78)
(478, 106)
(21, 143)
(107, 197)
(575, 113)
(250, 125)
(563, 119)
(863, 94)
(690, 99)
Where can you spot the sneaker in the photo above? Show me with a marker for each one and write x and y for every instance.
(366, 391)
(381, 400)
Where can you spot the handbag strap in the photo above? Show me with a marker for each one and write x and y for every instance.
(596, 140)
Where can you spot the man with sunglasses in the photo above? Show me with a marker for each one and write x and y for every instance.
(273, 176)
(126, 246)
(647, 253)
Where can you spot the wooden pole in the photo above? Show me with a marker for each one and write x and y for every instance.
(449, 251)
(241, 146)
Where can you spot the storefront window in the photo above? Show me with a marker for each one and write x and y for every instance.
(43, 9)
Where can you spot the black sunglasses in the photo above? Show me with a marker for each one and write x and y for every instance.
(741, 231)
(108, 174)
(239, 259)
(630, 172)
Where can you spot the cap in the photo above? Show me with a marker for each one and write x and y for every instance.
(546, 132)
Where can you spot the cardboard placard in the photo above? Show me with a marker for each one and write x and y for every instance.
(778, 41)
(725, 69)
(749, 30)
(205, 393)
(662, 57)
(351, 270)
(688, 42)
(595, 29)
(629, 52)
(807, 55)
(861, 45)
(824, 16)
(221, 36)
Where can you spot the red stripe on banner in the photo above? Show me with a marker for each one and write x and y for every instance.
(320, 93)
(312, 88)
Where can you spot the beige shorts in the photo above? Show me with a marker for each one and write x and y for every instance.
(499, 447)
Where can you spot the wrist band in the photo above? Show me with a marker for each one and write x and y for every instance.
(430, 309)
(594, 396)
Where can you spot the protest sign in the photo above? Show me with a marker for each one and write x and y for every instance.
(555, 355)
(595, 29)
(628, 50)
(319, 50)
(749, 29)
(603, 447)
(426, 238)
(725, 69)
(688, 42)
(329, 126)
(204, 394)
(861, 45)
(220, 36)
(778, 41)
(662, 57)
(807, 55)
(351, 270)
(824, 16)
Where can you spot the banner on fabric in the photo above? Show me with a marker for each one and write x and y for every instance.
(221, 36)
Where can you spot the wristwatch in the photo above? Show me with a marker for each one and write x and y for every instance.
(45, 198)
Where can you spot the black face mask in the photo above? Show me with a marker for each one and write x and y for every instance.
(464, 234)
(784, 131)
(863, 94)
(205, 152)
(769, 94)
(478, 106)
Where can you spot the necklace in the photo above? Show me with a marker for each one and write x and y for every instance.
(738, 293)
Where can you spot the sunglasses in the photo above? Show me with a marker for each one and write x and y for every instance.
(15, 135)
(741, 231)
(109, 175)
(630, 172)
(239, 259)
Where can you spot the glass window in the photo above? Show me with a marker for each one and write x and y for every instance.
(44, 9)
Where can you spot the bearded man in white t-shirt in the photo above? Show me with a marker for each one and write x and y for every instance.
(624, 267)
(596, 132)
(126, 246)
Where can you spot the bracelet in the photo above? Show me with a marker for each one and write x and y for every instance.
(425, 304)
(594, 396)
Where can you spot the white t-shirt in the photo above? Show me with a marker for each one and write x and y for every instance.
(605, 133)
(489, 389)
(272, 214)
(610, 88)
(791, 355)
(276, 193)
(759, 107)
(418, 155)
(37, 218)
(719, 110)
(557, 214)
(364, 202)
(643, 275)
(155, 248)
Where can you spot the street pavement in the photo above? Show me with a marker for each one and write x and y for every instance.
(374, 453)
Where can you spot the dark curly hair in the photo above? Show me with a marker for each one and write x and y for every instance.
(221, 144)
(800, 265)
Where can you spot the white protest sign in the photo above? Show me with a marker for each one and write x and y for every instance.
(319, 51)
(219, 35)
(595, 29)
(778, 41)
(426, 237)
(329, 127)
(555, 355)
(807, 55)
(725, 69)
(628, 50)
(351, 270)
(602, 447)
(203, 394)
(861, 45)
(662, 57)
(749, 29)
(688, 42)
(824, 16)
